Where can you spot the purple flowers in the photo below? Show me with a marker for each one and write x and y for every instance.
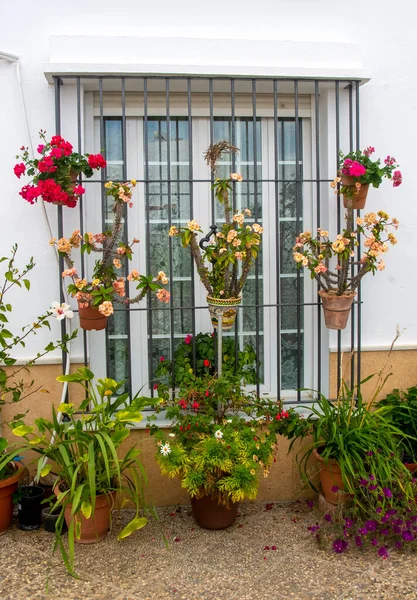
(387, 492)
(340, 546)
(348, 523)
(358, 541)
(363, 482)
(328, 518)
(407, 536)
(335, 488)
(371, 525)
(310, 503)
(383, 552)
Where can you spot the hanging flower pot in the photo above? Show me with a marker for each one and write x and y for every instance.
(356, 198)
(336, 308)
(91, 318)
(230, 306)
(71, 186)
(209, 514)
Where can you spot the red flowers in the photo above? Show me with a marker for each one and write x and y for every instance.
(353, 168)
(19, 169)
(188, 338)
(96, 161)
(207, 393)
(46, 165)
(284, 414)
(195, 405)
(182, 403)
(206, 363)
(161, 358)
(397, 178)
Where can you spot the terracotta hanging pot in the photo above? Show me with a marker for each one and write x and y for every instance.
(209, 514)
(336, 309)
(8, 487)
(95, 528)
(91, 318)
(331, 477)
(356, 199)
(73, 177)
(230, 306)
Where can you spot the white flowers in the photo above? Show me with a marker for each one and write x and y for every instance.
(218, 434)
(171, 434)
(60, 311)
(165, 449)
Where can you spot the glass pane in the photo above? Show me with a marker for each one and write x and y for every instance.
(290, 362)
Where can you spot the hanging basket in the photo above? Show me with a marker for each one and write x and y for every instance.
(356, 199)
(336, 309)
(230, 306)
(91, 318)
(73, 177)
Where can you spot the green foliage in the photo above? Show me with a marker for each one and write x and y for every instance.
(361, 438)
(222, 437)
(375, 172)
(86, 451)
(204, 344)
(403, 415)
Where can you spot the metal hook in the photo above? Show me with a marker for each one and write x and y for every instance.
(205, 240)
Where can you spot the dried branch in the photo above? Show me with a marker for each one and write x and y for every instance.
(215, 151)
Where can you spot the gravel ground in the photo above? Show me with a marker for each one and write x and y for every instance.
(204, 565)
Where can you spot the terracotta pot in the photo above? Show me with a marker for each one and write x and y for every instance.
(211, 515)
(91, 318)
(8, 487)
(95, 528)
(331, 475)
(230, 306)
(412, 467)
(336, 309)
(73, 177)
(356, 200)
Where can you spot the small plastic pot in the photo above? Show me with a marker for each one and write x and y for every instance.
(29, 508)
(50, 517)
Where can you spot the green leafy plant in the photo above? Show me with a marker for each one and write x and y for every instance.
(222, 437)
(86, 453)
(365, 170)
(360, 436)
(205, 360)
(403, 415)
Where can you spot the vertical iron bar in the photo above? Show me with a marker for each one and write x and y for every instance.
(255, 177)
(278, 239)
(339, 333)
(213, 212)
(124, 177)
(191, 192)
(148, 226)
(80, 207)
(298, 210)
(318, 223)
(233, 134)
(352, 266)
(57, 89)
(171, 262)
(359, 305)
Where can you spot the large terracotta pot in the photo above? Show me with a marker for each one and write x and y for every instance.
(412, 467)
(8, 487)
(230, 306)
(356, 199)
(336, 309)
(209, 514)
(91, 318)
(330, 476)
(95, 528)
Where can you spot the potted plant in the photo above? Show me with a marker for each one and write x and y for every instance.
(219, 442)
(403, 415)
(330, 262)
(355, 444)
(55, 173)
(92, 467)
(205, 360)
(13, 388)
(96, 298)
(224, 263)
(357, 170)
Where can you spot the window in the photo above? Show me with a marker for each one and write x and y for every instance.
(156, 130)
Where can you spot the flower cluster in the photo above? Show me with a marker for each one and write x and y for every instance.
(108, 285)
(225, 263)
(364, 170)
(54, 174)
(315, 253)
(392, 525)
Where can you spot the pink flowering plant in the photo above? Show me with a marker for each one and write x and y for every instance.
(222, 437)
(365, 170)
(330, 262)
(225, 263)
(108, 285)
(54, 173)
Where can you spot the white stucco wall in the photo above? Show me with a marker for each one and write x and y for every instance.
(384, 34)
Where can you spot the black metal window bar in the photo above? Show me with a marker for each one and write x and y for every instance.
(289, 133)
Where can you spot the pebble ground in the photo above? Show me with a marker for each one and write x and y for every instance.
(195, 564)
